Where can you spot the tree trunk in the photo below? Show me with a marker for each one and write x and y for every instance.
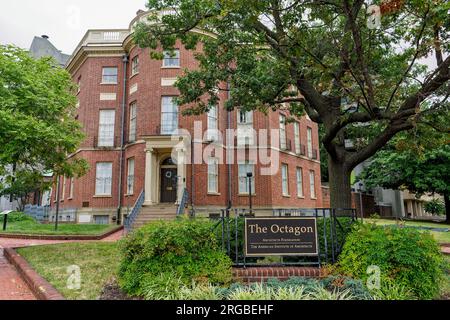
(447, 207)
(340, 189)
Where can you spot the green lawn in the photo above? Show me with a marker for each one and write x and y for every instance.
(441, 237)
(98, 262)
(31, 227)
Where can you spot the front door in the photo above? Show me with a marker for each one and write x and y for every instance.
(168, 185)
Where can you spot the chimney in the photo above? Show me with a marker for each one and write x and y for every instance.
(45, 36)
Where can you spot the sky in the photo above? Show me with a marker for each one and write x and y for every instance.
(64, 21)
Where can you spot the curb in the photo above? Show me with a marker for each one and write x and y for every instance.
(40, 287)
(60, 237)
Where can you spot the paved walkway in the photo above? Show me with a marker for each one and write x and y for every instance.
(12, 287)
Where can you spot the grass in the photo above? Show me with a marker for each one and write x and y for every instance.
(35, 228)
(445, 289)
(98, 262)
(441, 237)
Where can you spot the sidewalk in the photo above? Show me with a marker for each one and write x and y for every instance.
(12, 287)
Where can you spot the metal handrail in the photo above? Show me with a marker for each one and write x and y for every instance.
(134, 212)
(184, 200)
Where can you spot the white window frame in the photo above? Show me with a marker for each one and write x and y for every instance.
(103, 179)
(310, 142)
(212, 133)
(285, 179)
(131, 168)
(133, 122)
(297, 138)
(110, 78)
(106, 127)
(245, 132)
(63, 188)
(300, 191)
(135, 66)
(242, 177)
(213, 175)
(283, 138)
(170, 61)
(312, 184)
(172, 111)
(72, 185)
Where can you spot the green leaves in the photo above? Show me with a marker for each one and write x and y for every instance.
(37, 117)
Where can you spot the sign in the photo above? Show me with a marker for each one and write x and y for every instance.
(281, 237)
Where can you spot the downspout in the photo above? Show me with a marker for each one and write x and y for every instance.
(122, 138)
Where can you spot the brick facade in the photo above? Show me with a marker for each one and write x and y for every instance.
(86, 68)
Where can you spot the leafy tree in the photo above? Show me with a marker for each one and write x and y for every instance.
(428, 171)
(37, 120)
(435, 207)
(318, 57)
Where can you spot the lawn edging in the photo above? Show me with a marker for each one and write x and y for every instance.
(60, 237)
(40, 287)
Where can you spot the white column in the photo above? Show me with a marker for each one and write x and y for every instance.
(181, 162)
(148, 176)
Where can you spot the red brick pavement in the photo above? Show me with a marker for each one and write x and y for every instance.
(12, 287)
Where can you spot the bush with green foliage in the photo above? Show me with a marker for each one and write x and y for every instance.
(16, 217)
(435, 207)
(160, 252)
(409, 260)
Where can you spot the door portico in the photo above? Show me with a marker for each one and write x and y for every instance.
(158, 150)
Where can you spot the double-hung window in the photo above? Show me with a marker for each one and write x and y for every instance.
(130, 176)
(103, 179)
(212, 133)
(245, 132)
(283, 144)
(310, 144)
(169, 116)
(133, 116)
(297, 138)
(285, 179)
(135, 66)
(300, 193)
(106, 128)
(213, 175)
(245, 168)
(312, 184)
(171, 59)
(109, 75)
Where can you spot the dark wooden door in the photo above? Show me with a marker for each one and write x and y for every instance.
(168, 185)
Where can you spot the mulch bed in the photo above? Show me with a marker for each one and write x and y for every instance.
(111, 291)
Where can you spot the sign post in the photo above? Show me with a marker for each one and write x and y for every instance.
(5, 218)
(281, 237)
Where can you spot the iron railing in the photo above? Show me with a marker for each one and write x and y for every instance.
(129, 221)
(184, 200)
(332, 227)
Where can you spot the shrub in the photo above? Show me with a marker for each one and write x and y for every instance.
(405, 256)
(184, 249)
(17, 217)
(165, 286)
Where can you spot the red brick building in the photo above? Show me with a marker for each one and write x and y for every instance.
(123, 91)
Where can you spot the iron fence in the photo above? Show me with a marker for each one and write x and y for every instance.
(332, 227)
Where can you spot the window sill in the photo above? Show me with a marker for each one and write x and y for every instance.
(168, 67)
(109, 83)
(286, 196)
(103, 196)
(301, 197)
(129, 195)
(71, 198)
(246, 195)
(313, 198)
(214, 194)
